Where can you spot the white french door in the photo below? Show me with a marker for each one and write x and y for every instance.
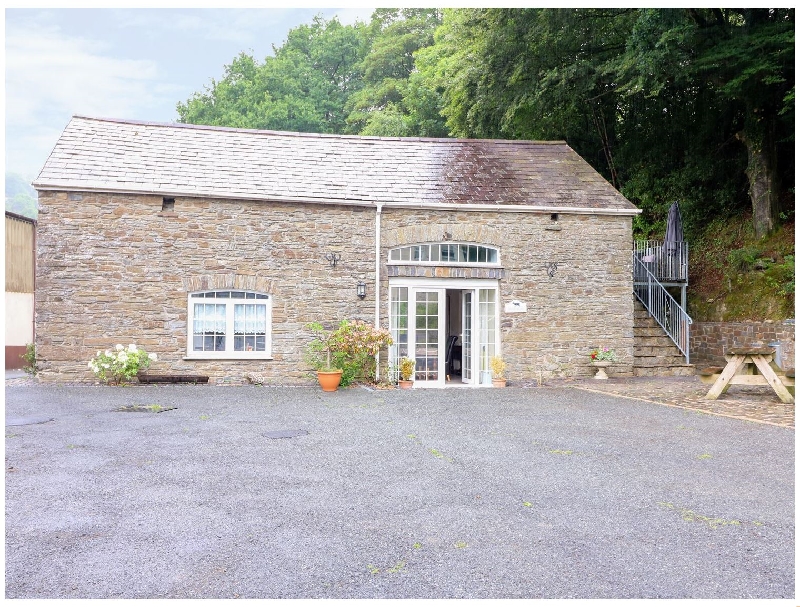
(466, 337)
(486, 343)
(418, 318)
(429, 337)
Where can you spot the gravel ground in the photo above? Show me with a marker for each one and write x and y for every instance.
(515, 493)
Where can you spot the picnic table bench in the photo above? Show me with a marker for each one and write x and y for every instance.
(749, 366)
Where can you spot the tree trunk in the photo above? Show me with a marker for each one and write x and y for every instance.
(762, 173)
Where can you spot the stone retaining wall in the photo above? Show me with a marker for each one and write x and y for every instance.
(710, 340)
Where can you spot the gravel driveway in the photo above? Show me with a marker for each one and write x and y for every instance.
(515, 493)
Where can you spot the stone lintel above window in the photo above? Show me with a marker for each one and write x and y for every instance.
(429, 271)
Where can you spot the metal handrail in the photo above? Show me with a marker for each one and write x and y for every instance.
(667, 260)
(661, 306)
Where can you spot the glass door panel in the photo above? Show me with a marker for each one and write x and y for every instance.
(466, 337)
(427, 340)
(487, 332)
(398, 325)
(418, 321)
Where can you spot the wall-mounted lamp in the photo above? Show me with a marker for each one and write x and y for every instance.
(551, 268)
(361, 290)
(333, 258)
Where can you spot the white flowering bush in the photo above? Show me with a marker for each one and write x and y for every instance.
(120, 364)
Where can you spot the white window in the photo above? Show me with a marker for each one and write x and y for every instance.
(444, 253)
(229, 324)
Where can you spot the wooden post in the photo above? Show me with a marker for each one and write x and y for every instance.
(769, 374)
(721, 385)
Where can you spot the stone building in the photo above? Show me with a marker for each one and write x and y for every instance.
(215, 247)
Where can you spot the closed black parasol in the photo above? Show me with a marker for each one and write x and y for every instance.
(674, 229)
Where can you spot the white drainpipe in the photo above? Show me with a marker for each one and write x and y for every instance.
(378, 211)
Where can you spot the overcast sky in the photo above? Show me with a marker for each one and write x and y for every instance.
(114, 63)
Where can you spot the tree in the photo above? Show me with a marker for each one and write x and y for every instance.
(688, 104)
(749, 56)
(388, 104)
(739, 64)
(304, 87)
(530, 74)
(20, 196)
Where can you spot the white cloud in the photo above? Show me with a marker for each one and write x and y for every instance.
(119, 63)
(47, 71)
(51, 76)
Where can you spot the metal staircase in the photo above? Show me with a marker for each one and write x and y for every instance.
(661, 328)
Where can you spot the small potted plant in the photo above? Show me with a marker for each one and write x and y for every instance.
(323, 356)
(498, 367)
(602, 358)
(406, 368)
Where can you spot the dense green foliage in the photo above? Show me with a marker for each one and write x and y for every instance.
(304, 87)
(20, 196)
(350, 348)
(392, 102)
(695, 105)
(735, 275)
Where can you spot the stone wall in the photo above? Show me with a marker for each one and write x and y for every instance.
(710, 340)
(587, 303)
(117, 269)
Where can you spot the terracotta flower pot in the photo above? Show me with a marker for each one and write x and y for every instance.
(498, 382)
(406, 384)
(329, 380)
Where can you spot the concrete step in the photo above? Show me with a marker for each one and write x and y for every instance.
(664, 371)
(655, 342)
(657, 361)
(644, 332)
(654, 353)
(646, 323)
(657, 350)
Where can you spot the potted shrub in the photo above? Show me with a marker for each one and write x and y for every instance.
(359, 342)
(323, 355)
(498, 367)
(345, 354)
(406, 369)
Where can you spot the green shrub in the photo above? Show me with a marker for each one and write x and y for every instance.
(780, 277)
(121, 364)
(744, 259)
(351, 347)
(32, 368)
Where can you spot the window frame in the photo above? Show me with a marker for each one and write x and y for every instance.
(216, 297)
(427, 256)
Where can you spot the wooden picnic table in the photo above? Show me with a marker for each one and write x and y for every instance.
(751, 367)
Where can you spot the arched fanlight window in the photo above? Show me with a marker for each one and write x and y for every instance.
(445, 253)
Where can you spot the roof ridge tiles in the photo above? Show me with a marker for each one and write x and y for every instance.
(208, 127)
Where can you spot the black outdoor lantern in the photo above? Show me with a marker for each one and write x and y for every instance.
(361, 289)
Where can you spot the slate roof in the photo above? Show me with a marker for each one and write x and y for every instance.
(109, 155)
